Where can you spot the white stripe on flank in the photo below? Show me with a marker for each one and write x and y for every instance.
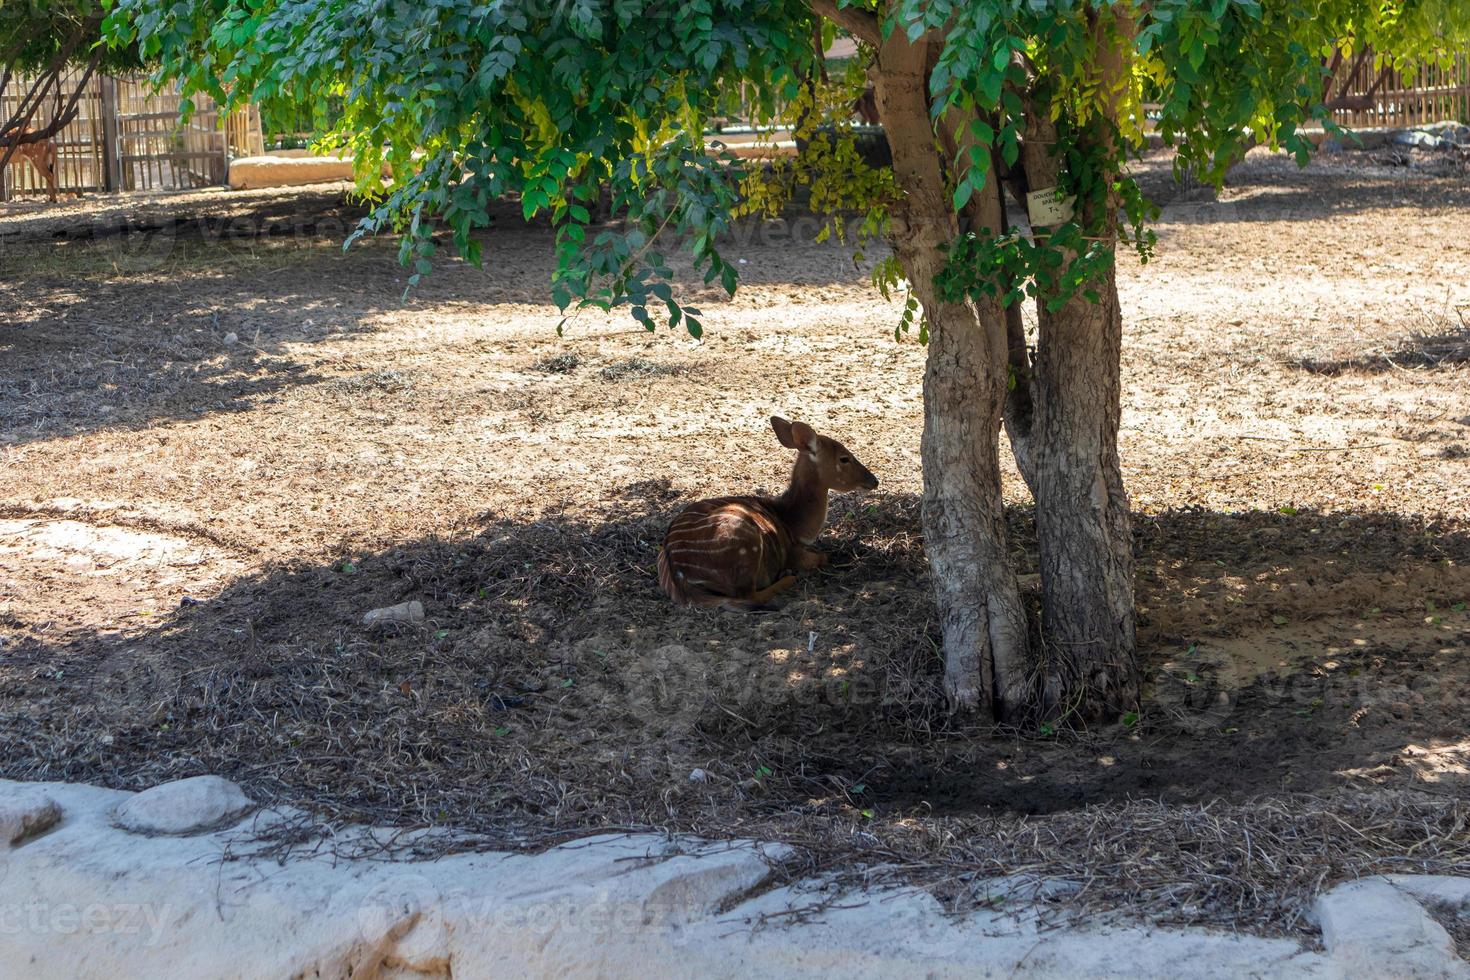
(680, 547)
(718, 573)
(688, 527)
(710, 533)
(715, 518)
(696, 544)
(712, 563)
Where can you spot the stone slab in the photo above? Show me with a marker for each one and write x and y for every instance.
(91, 900)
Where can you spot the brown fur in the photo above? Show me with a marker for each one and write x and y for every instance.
(41, 155)
(738, 552)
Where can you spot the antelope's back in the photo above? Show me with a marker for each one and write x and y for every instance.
(727, 546)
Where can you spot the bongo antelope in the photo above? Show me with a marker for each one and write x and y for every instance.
(738, 552)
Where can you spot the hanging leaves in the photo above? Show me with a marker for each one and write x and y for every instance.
(461, 102)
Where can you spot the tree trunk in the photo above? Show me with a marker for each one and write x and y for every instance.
(1089, 664)
(1066, 440)
(980, 610)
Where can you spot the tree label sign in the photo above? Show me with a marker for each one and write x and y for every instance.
(1047, 207)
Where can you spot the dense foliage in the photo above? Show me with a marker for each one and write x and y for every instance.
(552, 99)
(39, 34)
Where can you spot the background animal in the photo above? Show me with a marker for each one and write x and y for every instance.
(40, 154)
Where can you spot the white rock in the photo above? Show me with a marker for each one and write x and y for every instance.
(1372, 929)
(25, 814)
(405, 612)
(698, 776)
(231, 339)
(1436, 890)
(89, 900)
(185, 806)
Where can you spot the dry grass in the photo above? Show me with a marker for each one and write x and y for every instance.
(1303, 556)
(1253, 866)
(1444, 341)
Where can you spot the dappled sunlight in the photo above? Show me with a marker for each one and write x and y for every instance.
(214, 469)
(1436, 766)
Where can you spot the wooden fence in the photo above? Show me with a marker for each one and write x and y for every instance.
(126, 137)
(79, 162)
(1366, 96)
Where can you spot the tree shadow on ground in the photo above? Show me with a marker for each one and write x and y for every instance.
(1429, 349)
(149, 312)
(212, 215)
(552, 686)
(171, 320)
(1274, 188)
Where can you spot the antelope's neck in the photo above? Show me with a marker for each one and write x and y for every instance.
(803, 507)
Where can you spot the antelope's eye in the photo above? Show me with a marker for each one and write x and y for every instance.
(844, 460)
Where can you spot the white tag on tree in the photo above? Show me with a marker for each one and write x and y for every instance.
(1047, 207)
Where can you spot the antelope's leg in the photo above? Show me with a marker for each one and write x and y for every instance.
(764, 595)
(808, 559)
(44, 165)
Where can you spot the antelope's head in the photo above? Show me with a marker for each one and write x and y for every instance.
(834, 466)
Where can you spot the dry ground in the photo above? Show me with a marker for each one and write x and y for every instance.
(223, 440)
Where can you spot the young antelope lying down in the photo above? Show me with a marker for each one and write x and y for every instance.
(738, 552)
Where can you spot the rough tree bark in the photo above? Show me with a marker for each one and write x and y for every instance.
(1088, 661)
(983, 620)
(1066, 439)
(1062, 414)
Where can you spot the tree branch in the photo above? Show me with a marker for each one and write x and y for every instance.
(20, 118)
(1363, 100)
(14, 137)
(1331, 73)
(861, 24)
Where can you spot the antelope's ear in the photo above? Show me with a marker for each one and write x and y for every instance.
(804, 436)
(783, 431)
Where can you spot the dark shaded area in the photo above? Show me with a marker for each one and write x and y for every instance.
(553, 687)
(1287, 192)
(214, 217)
(141, 318)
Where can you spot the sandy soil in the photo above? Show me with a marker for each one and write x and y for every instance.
(224, 440)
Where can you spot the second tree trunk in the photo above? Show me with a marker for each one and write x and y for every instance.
(1088, 661)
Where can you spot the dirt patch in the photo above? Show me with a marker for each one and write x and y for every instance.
(275, 441)
(72, 575)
